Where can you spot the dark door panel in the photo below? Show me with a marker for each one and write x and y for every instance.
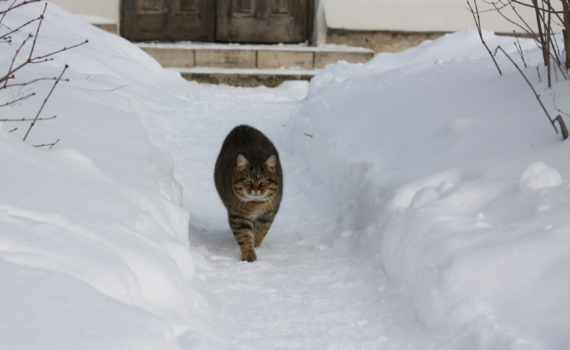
(168, 20)
(262, 21)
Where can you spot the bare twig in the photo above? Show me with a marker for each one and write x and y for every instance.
(478, 24)
(529, 84)
(307, 134)
(37, 33)
(33, 81)
(26, 120)
(531, 6)
(13, 130)
(540, 35)
(519, 48)
(15, 7)
(17, 29)
(12, 7)
(554, 103)
(48, 144)
(117, 88)
(539, 78)
(18, 100)
(39, 59)
(45, 101)
(18, 62)
(562, 127)
(527, 30)
(56, 52)
(566, 31)
(10, 74)
(548, 28)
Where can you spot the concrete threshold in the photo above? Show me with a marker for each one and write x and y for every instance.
(253, 56)
(251, 65)
(244, 77)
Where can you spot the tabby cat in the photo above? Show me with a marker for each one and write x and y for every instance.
(249, 181)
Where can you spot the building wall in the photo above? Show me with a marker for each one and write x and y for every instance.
(394, 16)
(108, 9)
(419, 16)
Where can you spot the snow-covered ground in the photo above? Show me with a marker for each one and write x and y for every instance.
(426, 205)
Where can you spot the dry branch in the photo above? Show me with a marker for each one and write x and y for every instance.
(18, 100)
(15, 66)
(26, 120)
(531, 87)
(47, 144)
(519, 48)
(562, 127)
(554, 103)
(45, 101)
(478, 23)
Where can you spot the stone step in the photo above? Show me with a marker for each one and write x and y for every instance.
(189, 55)
(244, 77)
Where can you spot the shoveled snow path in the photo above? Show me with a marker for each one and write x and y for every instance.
(310, 287)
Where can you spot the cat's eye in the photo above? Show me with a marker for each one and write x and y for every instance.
(263, 181)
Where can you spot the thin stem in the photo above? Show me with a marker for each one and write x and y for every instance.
(18, 100)
(556, 108)
(45, 101)
(12, 7)
(25, 120)
(48, 144)
(33, 81)
(478, 24)
(37, 33)
(17, 29)
(529, 84)
(10, 71)
(56, 52)
(519, 48)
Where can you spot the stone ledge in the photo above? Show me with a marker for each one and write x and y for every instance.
(223, 58)
(280, 58)
(380, 40)
(261, 57)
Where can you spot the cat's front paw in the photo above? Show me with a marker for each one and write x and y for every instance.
(248, 255)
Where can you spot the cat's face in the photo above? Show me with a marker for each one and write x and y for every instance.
(255, 180)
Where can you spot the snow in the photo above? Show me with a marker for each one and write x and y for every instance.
(425, 204)
(96, 19)
(537, 176)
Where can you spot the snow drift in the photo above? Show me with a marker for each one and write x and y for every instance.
(94, 247)
(457, 182)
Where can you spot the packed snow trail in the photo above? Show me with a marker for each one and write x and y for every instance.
(309, 288)
(460, 198)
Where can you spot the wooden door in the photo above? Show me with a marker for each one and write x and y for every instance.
(168, 20)
(263, 21)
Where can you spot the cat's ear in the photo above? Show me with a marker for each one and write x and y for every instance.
(270, 163)
(242, 162)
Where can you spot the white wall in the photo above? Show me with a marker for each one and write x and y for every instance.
(408, 15)
(396, 15)
(108, 9)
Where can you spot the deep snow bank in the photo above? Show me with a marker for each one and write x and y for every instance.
(94, 248)
(457, 182)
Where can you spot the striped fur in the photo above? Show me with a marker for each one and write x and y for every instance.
(249, 180)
